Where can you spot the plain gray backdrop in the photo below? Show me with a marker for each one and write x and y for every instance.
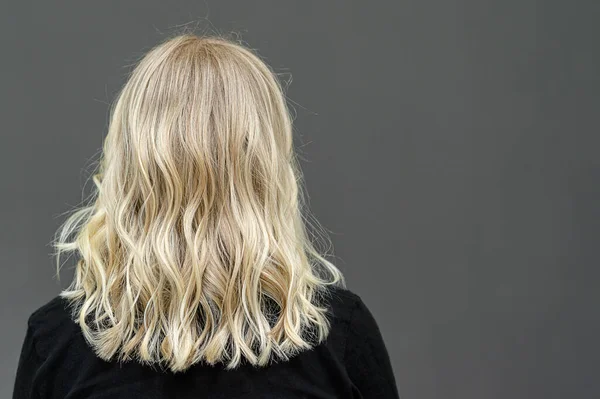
(449, 146)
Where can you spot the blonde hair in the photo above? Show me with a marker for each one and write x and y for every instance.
(194, 248)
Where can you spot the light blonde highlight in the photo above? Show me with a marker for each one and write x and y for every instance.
(194, 247)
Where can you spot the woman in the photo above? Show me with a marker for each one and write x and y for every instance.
(196, 276)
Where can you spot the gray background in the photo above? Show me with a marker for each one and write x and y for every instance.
(451, 148)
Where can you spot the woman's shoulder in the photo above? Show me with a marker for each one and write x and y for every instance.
(342, 301)
(344, 307)
(50, 323)
(54, 311)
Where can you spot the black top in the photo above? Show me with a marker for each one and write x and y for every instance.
(352, 362)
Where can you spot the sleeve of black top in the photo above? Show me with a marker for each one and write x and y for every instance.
(27, 368)
(366, 356)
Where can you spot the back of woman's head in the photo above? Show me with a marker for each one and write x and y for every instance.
(193, 247)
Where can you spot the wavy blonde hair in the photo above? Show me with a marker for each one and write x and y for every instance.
(193, 247)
